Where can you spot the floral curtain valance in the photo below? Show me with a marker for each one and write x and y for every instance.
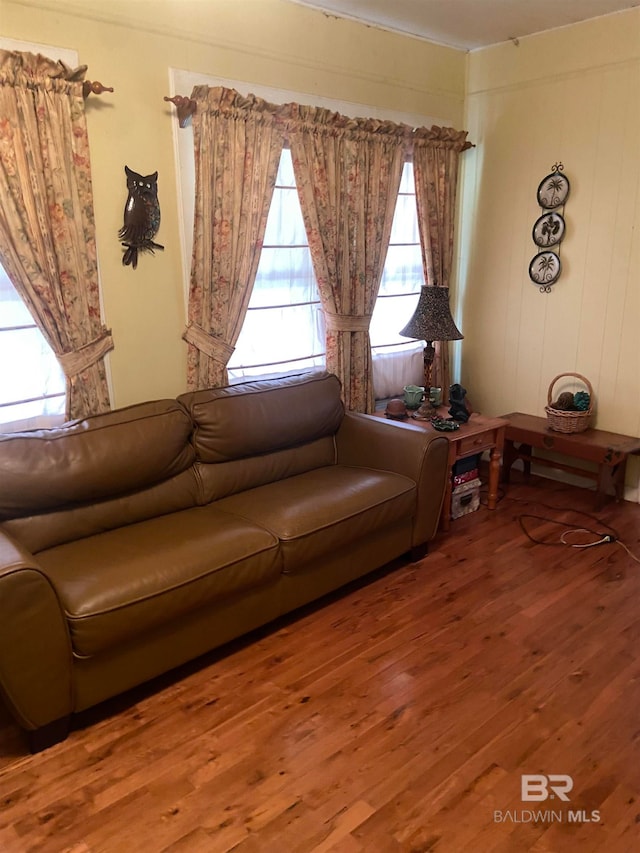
(441, 137)
(32, 70)
(47, 226)
(298, 117)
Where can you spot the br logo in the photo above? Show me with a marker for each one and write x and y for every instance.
(537, 787)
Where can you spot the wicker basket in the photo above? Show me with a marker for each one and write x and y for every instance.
(561, 421)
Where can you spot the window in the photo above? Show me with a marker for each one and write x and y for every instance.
(32, 383)
(284, 328)
(398, 360)
(296, 334)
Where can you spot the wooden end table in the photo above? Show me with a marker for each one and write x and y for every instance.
(478, 434)
(608, 450)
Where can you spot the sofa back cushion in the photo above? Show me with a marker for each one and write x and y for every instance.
(94, 459)
(254, 433)
(254, 418)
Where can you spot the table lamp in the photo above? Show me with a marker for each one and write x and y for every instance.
(431, 321)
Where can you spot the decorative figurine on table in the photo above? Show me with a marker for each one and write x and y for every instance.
(458, 405)
(444, 424)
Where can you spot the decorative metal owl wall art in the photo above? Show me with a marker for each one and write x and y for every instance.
(141, 216)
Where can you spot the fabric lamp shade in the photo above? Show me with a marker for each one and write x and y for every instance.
(432, 320)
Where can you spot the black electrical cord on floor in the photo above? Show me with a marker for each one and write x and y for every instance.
(600, 537)
(606, 537)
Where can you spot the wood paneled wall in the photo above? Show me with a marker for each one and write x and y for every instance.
(572, 95)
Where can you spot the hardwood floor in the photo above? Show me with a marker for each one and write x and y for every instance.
(399, 716)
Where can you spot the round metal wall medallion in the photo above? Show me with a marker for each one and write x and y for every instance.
(548, 230)
(553, 191)
(544, 269)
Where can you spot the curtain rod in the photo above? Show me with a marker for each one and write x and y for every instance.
(95, 88)
(186, 107)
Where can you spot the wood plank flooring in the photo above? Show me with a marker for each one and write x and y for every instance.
(399, 716)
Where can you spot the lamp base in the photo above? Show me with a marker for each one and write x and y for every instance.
(426, 411)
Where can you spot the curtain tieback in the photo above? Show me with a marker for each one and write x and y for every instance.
(347, 322)
(214, 347)
(73, 363)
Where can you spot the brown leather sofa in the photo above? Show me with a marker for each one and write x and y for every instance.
(134, 541)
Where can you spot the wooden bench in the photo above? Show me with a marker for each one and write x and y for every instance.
(608, 450)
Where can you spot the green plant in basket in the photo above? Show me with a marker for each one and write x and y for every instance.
(582, 400)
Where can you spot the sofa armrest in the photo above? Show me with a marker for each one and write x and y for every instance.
(408, 449)
(35, 648)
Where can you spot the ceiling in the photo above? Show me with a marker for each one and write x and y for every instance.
(469, 24)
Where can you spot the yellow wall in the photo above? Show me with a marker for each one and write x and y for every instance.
(130, 45)
(571, 95)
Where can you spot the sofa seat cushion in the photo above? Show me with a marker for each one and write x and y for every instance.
(124, 582)
(316, 512)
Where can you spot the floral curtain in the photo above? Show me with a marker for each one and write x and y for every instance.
(348, 174)
(436, 152)
(47, 229)
(237, 145)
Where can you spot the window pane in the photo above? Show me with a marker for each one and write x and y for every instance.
(13, 311)
(402, 271)
(405, 221)
(29, 370)
(284, 276)
(34, 369)
(274, 335)
(284, 328)
(285, 226)
(36, 412)
(389, 316)
(240, 374)
(407, 182)
(400, 285)
(285, 176)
